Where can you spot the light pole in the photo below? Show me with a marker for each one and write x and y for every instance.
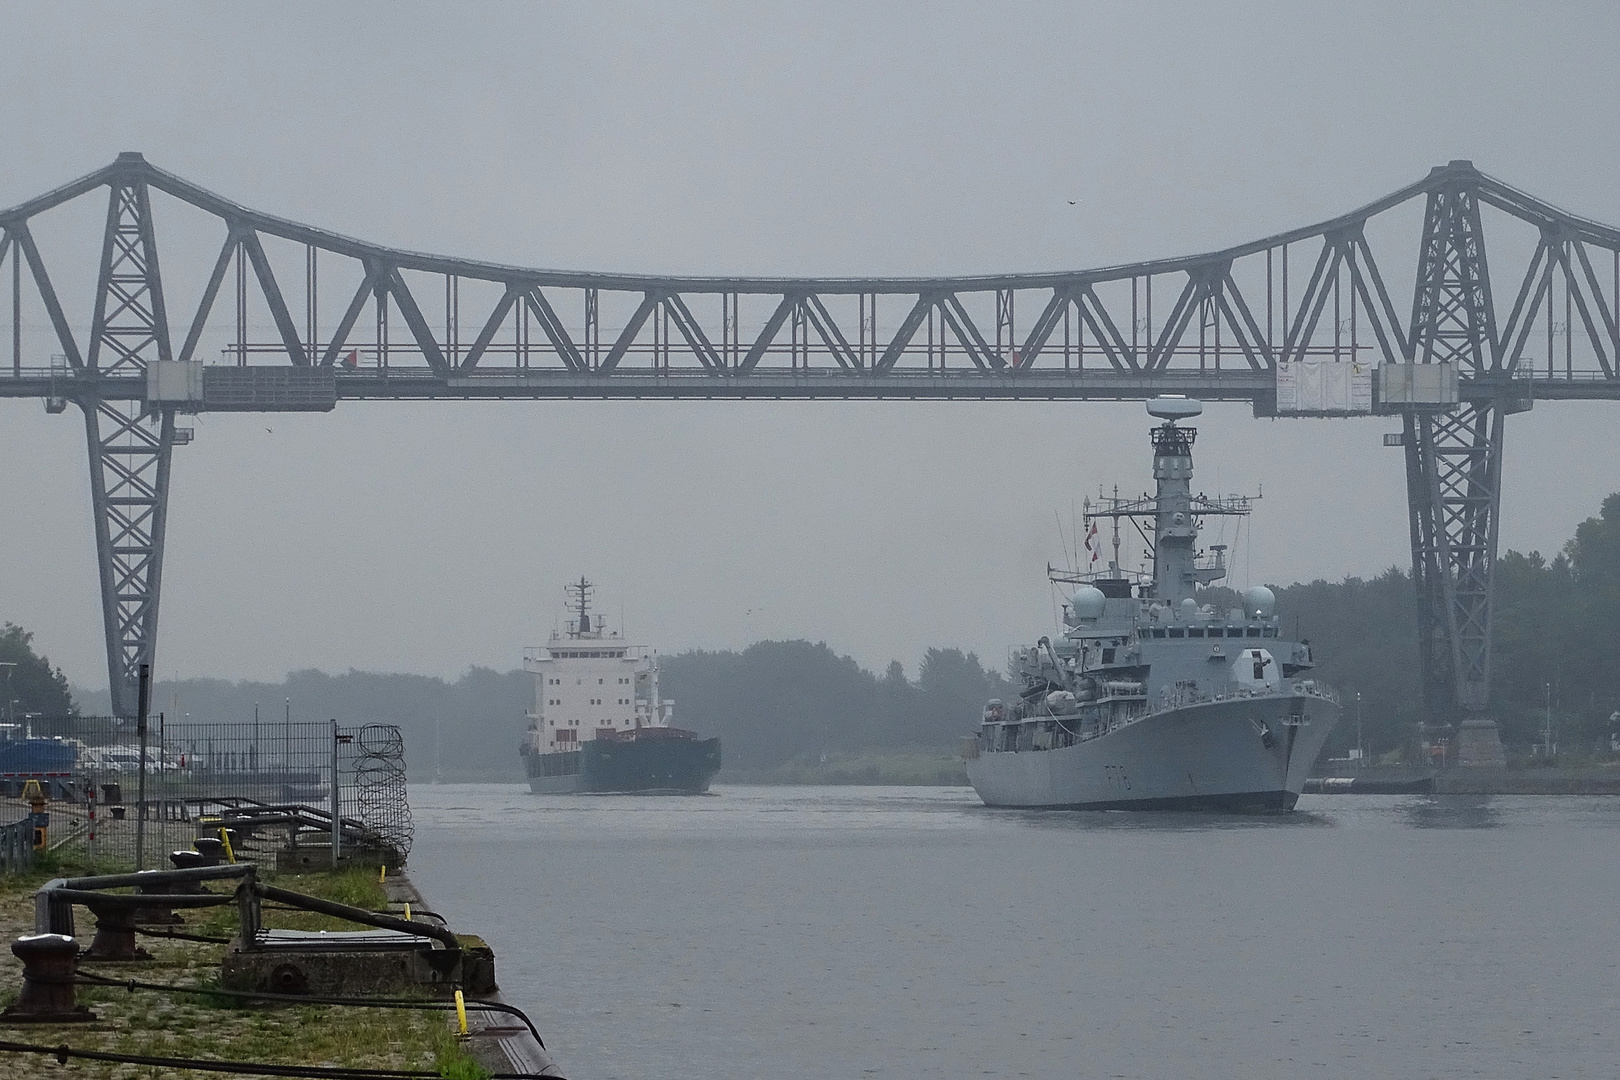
(1361, 754)
(1546, 729)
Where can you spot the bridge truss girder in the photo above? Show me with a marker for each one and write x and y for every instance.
(368, 325)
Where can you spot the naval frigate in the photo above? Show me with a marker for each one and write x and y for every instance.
(1149, 699)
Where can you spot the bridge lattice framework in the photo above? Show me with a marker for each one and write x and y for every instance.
(1226, 324)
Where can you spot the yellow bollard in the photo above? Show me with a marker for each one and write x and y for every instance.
(382, 874)
(461, 1012)
(36, 805)
(225, 838)
(407, 911)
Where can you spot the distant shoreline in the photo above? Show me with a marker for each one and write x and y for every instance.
(1572, 780)
(919, 767)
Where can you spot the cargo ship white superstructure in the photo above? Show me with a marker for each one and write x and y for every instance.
(598, 723)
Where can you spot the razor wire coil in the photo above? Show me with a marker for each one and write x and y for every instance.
(378, 770)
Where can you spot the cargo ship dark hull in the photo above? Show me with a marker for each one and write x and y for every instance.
(657, 765)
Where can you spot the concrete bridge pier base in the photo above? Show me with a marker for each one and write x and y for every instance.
(1479, 744)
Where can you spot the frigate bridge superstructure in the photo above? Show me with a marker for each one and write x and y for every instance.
(277, 315)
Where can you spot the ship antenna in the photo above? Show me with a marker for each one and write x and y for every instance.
(1114, 566)
(1063, 544)
(582, 596)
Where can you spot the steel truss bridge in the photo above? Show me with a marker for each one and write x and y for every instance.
(145, 348)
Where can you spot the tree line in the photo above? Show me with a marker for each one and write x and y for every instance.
(1556, 637)
(771, 703)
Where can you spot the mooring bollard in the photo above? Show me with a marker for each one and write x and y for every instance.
(50, 962)
(211, 848)
(187, 860)
(157, 914)
(115, 930)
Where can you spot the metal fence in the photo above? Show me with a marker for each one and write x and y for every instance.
(273, 783)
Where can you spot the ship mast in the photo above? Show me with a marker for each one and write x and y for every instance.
(1114, 565)
(579, 598)
(1170, 519)
(1175, 530)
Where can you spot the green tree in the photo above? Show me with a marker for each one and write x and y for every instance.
(955, 686)
(34, 685)
(1363, 635)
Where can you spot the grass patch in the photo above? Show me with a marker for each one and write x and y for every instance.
(356, 886)
(215, 1026)
(453, 1061)
(66, 863)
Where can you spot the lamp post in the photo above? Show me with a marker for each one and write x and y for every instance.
(142, 703)
(1361, 754)
(1546, 728)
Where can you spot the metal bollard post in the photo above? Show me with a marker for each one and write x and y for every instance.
(157, 914)
(212, 849)
(50, 962)
(187, 860)
(115, 930)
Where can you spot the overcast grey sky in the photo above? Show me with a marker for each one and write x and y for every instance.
(798, 138)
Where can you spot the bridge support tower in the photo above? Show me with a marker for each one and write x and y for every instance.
(130, 441)
(1453, 477)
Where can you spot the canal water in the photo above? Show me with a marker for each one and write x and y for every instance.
(765, 932)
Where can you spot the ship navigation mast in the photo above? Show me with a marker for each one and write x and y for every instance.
(579, 600)
(1169, 520)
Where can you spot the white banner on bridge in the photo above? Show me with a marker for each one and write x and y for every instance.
(1324, 387)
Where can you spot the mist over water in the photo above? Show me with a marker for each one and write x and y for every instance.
(910, 932)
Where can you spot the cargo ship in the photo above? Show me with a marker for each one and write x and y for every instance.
(1148, 697)
(599, 724)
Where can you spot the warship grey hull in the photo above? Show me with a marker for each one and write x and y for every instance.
(1241, 754)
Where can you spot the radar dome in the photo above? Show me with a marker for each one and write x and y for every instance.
(1088, 602)
(1174, 407)
(1259, 602)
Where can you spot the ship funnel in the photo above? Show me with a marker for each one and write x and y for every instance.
(1174, 407)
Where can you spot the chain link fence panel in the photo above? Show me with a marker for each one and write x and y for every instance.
(270, 782)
